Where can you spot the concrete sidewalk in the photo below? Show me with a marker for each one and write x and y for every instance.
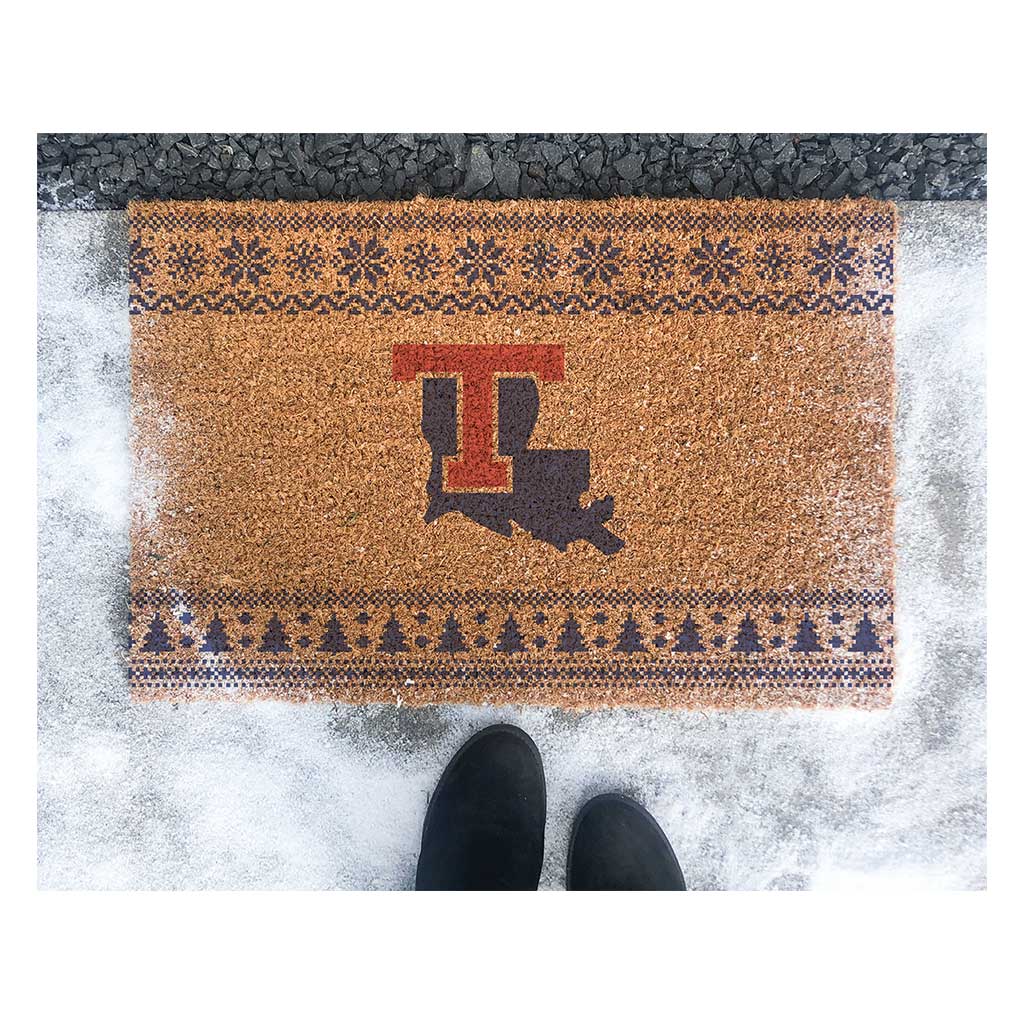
(276, 795)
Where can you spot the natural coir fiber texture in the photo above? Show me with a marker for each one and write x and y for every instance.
(632, 452)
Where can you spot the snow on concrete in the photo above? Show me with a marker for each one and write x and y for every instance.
(275, 795)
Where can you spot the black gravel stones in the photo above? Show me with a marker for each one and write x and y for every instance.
(105, 171)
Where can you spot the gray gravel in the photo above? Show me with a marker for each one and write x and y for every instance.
(105, 171)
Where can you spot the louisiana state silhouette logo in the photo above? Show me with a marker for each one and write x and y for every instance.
(625, 453)
(480, 405)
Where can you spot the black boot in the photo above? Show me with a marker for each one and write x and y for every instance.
(485, 824)
(616, 844)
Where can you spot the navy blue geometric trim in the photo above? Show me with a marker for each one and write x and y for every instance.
(676, 674)
(449, 678)
(297, 218)
(629, 598)
(482, 304)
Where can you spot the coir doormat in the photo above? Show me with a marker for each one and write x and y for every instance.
(632, 452)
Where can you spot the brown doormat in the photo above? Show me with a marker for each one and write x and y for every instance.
(634, 452)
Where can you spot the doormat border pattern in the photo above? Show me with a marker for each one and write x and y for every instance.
(254, 639)
(456, 216)
(817, 598)
(454, 262)
(473, 676)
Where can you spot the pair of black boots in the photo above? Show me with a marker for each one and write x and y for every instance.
(485, 827)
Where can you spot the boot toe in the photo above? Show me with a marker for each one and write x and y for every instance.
(617, 845)
(484, 827)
